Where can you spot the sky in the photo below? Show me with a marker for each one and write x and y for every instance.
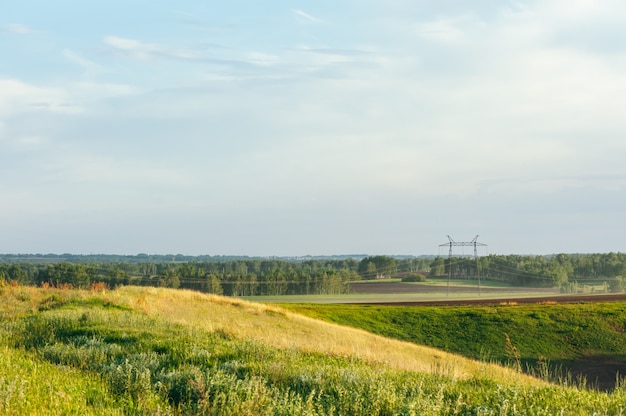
(292, 128)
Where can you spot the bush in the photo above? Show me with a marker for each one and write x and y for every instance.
(616, 285)
(569, 287)
(413, 277)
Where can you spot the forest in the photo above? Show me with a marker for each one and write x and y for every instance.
(243, 276)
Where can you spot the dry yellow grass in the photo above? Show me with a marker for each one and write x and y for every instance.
(279, 328)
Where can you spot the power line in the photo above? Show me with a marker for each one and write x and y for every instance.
(451, 243)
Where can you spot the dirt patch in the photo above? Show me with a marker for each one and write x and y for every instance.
(600, 371)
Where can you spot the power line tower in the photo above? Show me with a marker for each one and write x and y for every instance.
(451, 243)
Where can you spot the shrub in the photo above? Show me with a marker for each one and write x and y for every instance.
(129, 377)
(98, 287)
(616, 285)
(413, 277)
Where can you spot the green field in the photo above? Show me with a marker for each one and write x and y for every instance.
(436, 289)
(392, 297)
(585, 338)
(146, 351)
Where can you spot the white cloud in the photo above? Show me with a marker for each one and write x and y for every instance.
(81, 61)
(458, 106)
(92, 91)
(17, 97)
(78, 167)
(76, 183)
(306, 16)
(146, 51)
(443, 29)
(316, 58)
(123, 43)
(262, 59)
(505, 100)
(579, 10)
(30, 143)
(17, 29)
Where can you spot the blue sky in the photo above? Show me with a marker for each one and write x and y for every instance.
(295, 128)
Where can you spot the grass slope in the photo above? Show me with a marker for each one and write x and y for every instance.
(32, 386)
(149, 351)
(279, 328)
(563, 334)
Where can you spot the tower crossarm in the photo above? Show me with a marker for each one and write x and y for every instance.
(462, 243)
(452, 243)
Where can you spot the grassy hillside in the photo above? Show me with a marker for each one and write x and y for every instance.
(569, 336)
(150, 351)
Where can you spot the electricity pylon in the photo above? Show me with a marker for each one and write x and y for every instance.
(451, 243)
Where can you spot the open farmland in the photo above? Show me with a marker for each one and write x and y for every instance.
(435, 291)
(397, 293)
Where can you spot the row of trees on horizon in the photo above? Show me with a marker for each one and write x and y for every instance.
(254, 277)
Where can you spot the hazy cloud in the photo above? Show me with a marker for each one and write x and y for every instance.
(406, 122)
(17, 97)
(306, 16)
(86, 64)
(31, 142)
(17, 29)
(444, 30)
(146, 51)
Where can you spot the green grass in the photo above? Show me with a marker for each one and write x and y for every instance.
(81, 353)
(30, 385)
(558, 333)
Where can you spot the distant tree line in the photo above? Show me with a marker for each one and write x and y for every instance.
(251, 277)
(559, 270)
(157, 258)
(254, 277)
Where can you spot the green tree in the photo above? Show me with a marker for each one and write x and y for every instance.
(213, 284)
(169, 278)
(383, 267)
(66, 273)
(438, 267)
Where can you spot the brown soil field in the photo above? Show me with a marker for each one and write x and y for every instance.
(547, 295)
(620, 297)
(394, 287)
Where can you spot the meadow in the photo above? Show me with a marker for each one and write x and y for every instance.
(162, 351)
(564, 340)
